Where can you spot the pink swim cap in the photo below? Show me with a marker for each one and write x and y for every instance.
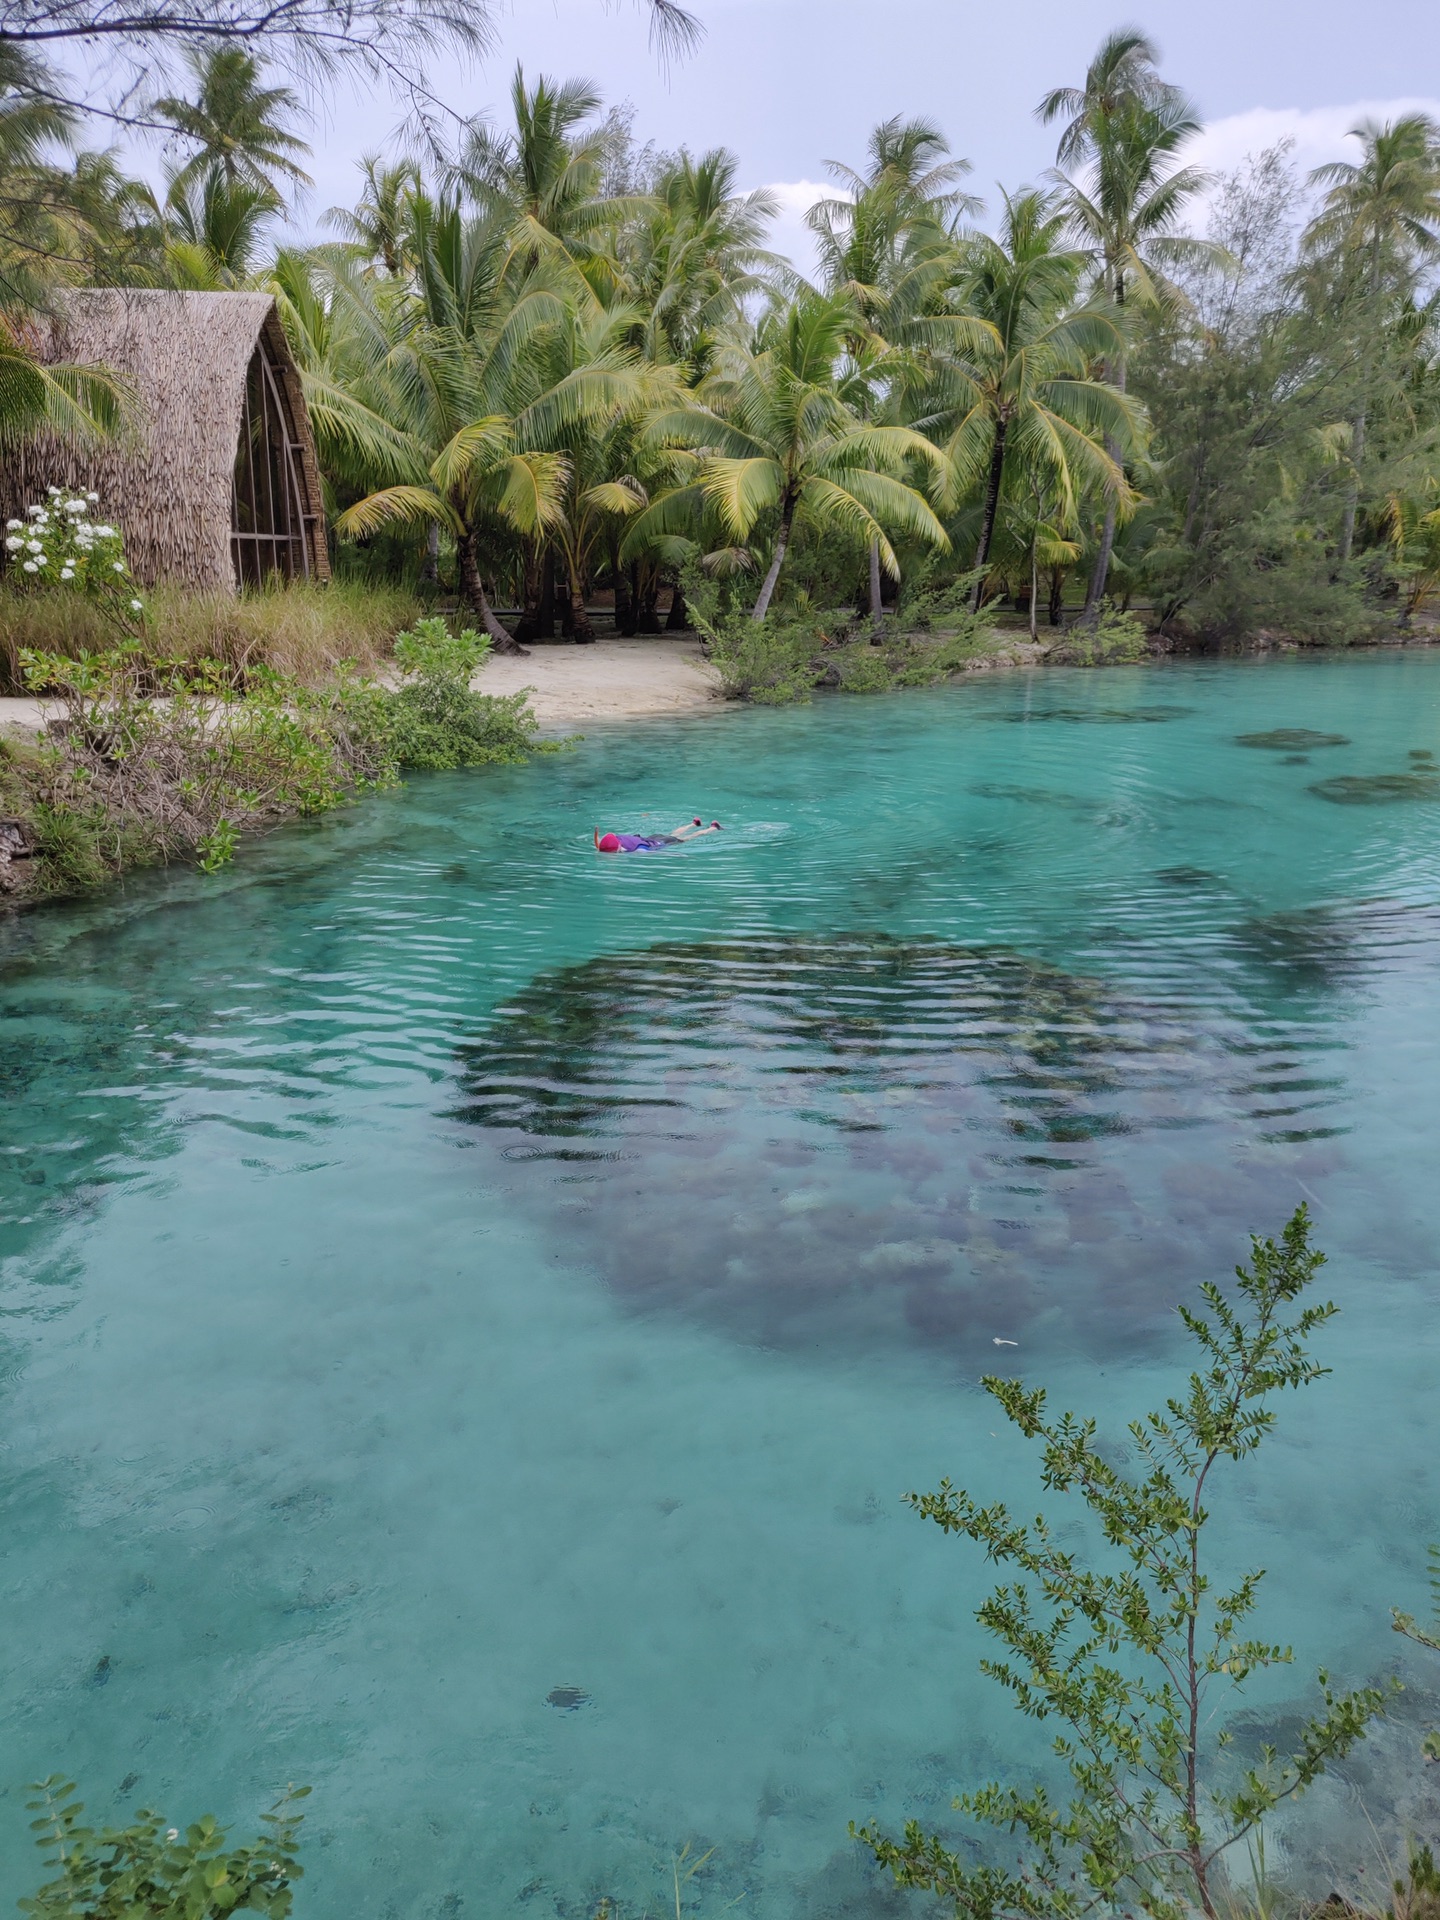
(609, 843)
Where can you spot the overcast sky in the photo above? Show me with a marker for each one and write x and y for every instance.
(789, 84)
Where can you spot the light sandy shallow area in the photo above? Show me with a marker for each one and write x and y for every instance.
(611, 680)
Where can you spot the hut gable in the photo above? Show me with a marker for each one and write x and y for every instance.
(214, 480)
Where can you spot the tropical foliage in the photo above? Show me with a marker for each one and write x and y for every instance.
(1128, 1648)
(549, 366)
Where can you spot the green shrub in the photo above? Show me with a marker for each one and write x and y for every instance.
(122, 777)
(1116, 639)
(435, 721)
(148, 1871)
(771, 662)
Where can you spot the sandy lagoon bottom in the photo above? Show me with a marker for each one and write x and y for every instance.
(472, 1309)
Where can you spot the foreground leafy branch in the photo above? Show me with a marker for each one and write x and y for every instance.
(148, 1871)
(1128, 1661)
(1405, 1623)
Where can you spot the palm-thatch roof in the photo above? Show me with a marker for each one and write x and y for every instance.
(168, 481)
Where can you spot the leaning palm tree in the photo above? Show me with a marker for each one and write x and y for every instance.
(778, 432)
(484, 476)
(1379, 223)
(1019, 372)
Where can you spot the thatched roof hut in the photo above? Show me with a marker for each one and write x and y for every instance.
(214, 482)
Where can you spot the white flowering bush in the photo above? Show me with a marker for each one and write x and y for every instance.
(61, 544)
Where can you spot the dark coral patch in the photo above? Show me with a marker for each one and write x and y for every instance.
(1378, 789)
(1291, 740)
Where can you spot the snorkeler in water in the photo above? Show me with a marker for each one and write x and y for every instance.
(647, 842)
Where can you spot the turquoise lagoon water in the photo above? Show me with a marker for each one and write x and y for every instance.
(472, 1309)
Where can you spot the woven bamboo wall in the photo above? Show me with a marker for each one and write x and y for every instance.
(166, 481)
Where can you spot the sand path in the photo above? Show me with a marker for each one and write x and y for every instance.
(612, 680)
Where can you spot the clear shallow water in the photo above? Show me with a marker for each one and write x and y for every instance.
(442, 1268)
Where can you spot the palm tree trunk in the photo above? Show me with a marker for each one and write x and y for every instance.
(1057, 595)
(533, 617)
(647, 619)
(1352, 497)
(877, 611)
(992, 507)
(782, 540)
(678, 618)
(1034, 589)
(473, 590)
(624, 597)
(580, 625)
(1095, 592)
(430, 566)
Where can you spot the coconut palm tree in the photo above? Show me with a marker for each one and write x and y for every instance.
(1122, 75)
(237, 127)
(778, 432)
(545, 177)
(882, 247)
(695, 255)
(592, 391)
(1378, 223)
(216, 229)
(1125, 213)
(380, 225)
(892, 216)
(483, 475)
(1018, 379)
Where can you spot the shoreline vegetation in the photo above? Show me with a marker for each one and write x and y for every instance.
(143, 761)
(134, 758)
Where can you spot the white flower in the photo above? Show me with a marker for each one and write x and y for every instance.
(30, 567)
(137, 606)
(74, 506)
(34, 546)
(54, 492)
(117, 566)
(12, 524)
(92, 498)
(67, 573)
(173, 1833)
(15, 544)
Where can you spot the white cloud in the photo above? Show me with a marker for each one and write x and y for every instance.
(789, 235)
(1320, 133)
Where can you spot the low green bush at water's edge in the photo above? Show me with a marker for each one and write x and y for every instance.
(148, 760)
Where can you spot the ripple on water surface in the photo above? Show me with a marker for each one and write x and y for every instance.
(472, 1308)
